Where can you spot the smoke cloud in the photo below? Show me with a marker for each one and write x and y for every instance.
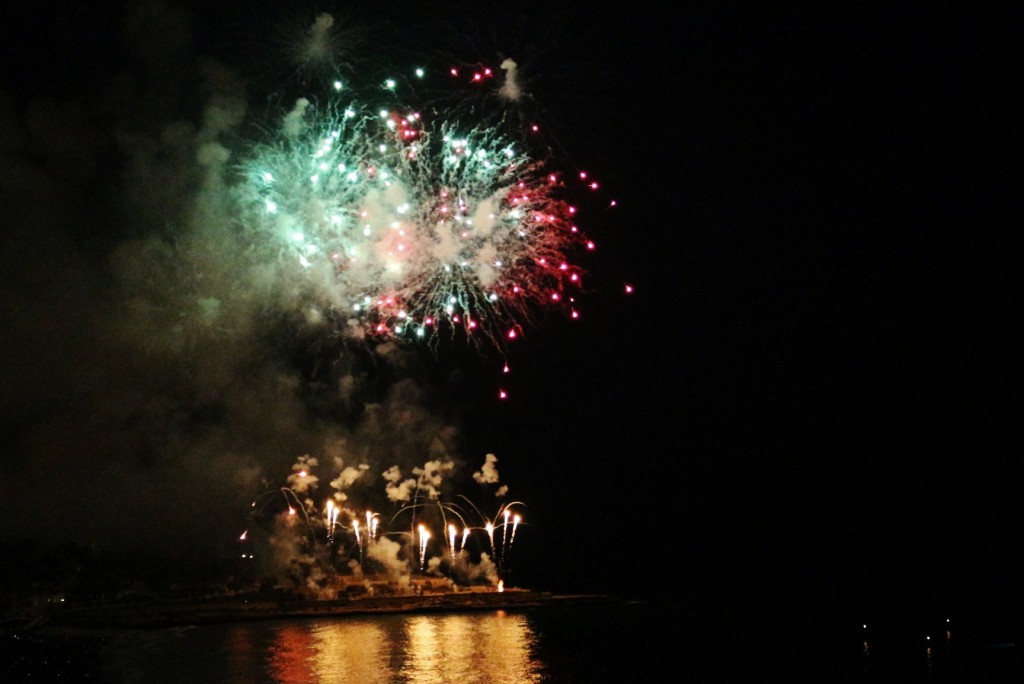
(157, 375)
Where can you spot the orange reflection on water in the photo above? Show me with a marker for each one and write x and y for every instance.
(480, 648)
(490, 647)
(241, 648)
(289, 654)
(349, 651)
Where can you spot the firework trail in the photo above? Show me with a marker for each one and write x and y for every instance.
(424, 536)
(489, 526)
(355, 543)
(451, 541)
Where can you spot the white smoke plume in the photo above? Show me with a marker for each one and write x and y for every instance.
(398, 489)
(346, 479)
(485, 570)
(149, 363)
(510, 89)
(302, 480)
(488, 473)
(387, 554)
(431, 477)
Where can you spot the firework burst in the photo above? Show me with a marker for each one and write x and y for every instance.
(394, 224)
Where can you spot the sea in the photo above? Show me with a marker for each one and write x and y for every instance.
(620, 641)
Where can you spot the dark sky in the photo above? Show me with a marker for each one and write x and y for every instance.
(812, 391)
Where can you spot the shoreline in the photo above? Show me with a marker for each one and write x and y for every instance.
(98, 619)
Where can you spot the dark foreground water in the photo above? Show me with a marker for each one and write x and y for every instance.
(628, 642)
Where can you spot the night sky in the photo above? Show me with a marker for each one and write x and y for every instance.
(812, 393)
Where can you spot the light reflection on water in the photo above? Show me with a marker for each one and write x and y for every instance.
(477, 648)
(351, 651)
(470, 648)
(566, 644)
